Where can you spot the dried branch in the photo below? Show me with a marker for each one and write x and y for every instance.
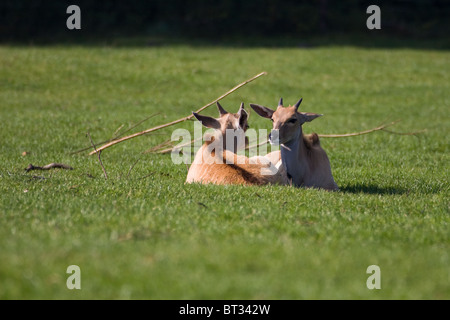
(354, 134)
(117, 134)
(99, 158)
(415, 133)
(344, 135)
(132, 166)
(257, 145)
(48, 167)
(159, 146)
(168, 150)
(111, 143)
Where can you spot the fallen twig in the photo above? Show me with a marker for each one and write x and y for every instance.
(38, 177)
(159, 146)
(415, 133)
(354, 134)
(98, 153)
(111, 143)
(257, 145)
(117, 134)
(344, 135)
(48, 167)
(382, 127)
(167, 150)
(131, 167)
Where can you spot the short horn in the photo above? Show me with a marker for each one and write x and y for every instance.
(242, 106)
(222, 111)
(298, 104)
(280, 103)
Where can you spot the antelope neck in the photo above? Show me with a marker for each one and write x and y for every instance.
(290, 157)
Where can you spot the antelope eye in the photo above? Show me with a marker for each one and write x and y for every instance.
(293, 120)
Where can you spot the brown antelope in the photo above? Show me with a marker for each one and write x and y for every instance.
(216, 162)
(305, 162)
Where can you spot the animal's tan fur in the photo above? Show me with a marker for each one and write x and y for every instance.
(303, 159)
(227, 167)
(231, 168)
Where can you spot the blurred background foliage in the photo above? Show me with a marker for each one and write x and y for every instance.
(43, 19)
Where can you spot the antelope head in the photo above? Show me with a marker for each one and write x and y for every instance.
(287, 121)
(234, 124)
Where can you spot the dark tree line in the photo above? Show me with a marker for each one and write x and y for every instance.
(27, 19)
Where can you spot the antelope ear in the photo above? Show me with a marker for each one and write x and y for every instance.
(208, 122)
(262, 111)
(242, 110)
(308, 117)
(243, 117)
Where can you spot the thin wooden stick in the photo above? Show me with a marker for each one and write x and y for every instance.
(257, 145)
(117, 133)
(48, 167)
(98, 153)
(132, 166)
(109, 144)
(354, 134)
(382, 127)
(158, 147)
(178, 147)
(415, 133)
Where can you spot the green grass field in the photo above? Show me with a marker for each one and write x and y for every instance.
(144, 234)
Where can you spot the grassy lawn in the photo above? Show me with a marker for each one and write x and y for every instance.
(144, 234)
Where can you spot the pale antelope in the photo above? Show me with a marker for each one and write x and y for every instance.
(217, 162)
(305, 162)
